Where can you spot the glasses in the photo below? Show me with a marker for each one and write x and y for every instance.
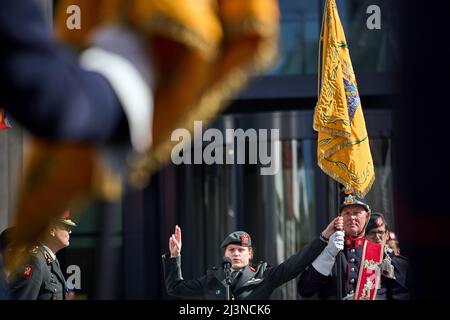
(378, 233)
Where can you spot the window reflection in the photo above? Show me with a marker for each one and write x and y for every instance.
(373, 50)
(300, 28)
(380, 197)
(296, 215)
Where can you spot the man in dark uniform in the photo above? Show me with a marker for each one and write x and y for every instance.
(377, 231)
(367, 273)
(42, 278)
(247, 282)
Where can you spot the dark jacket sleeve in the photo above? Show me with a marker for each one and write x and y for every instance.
(23, 288)
(45, 89)
(176, 285)
(295, 264)
(311, 281)
(399, 288)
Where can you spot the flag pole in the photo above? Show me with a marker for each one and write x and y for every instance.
(319, 84)
(339, 255)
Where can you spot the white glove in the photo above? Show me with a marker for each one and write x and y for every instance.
(336, 243)
(120, 55)
(325, 261)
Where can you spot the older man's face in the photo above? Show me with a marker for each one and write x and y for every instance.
(355, 217)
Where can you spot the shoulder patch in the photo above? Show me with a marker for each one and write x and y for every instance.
(28, 272)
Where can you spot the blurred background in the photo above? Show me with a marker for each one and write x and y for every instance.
(118, 245)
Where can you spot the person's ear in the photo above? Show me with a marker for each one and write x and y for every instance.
(52, 232)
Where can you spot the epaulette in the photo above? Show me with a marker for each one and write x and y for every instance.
(34, 250)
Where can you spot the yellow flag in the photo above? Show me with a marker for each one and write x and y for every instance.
(343, 150)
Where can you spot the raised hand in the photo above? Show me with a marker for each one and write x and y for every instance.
(325, 261)
(335, 224)
(175, 242)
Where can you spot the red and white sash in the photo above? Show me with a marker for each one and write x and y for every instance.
(369, 271)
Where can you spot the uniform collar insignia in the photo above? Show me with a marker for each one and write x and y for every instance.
(48, 255)
(48, 258)
(49, 252)
(354, 242)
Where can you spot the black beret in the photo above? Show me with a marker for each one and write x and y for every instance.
(376, 220)
(241, 238)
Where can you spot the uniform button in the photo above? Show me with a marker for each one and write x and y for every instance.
(352, 280)
(352, 250)
(352, 291)
(55, 290)
(352, 260)
(352, 269)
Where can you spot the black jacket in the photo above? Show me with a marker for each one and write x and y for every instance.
(255, 283)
